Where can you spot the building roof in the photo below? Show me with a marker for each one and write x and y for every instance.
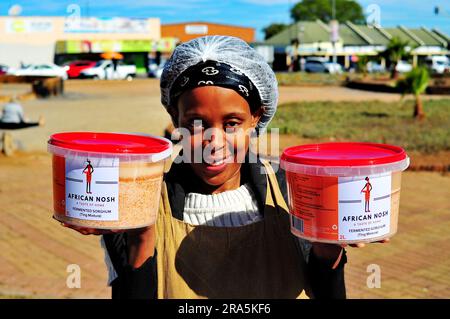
(403, 35)
(351, 36)
(358, 35)
(305, 31)
(441, 35)
(377, 35)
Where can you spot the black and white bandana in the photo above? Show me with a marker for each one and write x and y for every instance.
(216, 74)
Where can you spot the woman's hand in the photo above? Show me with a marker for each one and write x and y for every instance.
(361, 245)
(333, 253)
(141, 241)
(91, 231)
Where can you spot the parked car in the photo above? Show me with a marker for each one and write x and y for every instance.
(438, 64)
(403, 66)
(74, 68)
(3, 69)
(321, 65)
(155, 70)
(45, 69)
(104, 70)
(375, 67)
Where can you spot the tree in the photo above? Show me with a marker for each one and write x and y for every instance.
(311, 10)
(395, 51)
(273, 29)
(362, 64)
(415, 82)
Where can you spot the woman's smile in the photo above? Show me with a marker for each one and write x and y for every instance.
(216, 164)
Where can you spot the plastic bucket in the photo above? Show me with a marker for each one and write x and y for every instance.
(107, 180)
(344, 192)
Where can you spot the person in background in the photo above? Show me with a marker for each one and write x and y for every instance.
(115, 63)
(13, 116)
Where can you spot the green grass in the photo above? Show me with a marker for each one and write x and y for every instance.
(303, 78)
(369, 121)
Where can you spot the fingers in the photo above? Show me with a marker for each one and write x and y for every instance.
(87, 231)
(90, 231)
(362, 245)
(357, 245)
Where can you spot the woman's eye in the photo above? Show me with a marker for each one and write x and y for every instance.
(232, 124)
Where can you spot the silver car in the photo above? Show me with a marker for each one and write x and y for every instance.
(320, 65)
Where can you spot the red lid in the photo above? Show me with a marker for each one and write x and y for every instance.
(343, 154)
(110, 142)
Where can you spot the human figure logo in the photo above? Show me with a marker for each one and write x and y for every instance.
(366, 190)
(88, 170)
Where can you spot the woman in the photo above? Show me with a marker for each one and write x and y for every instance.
(13, 117)
(366, 190)
(223, 228)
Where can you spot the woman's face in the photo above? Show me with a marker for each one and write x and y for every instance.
(218, 120)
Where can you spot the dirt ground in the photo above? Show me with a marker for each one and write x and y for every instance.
(121, 106)
(35, 250)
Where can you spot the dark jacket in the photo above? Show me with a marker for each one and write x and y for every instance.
(142, 282)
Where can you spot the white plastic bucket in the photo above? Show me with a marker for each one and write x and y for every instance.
(344, 192)
(107, 180)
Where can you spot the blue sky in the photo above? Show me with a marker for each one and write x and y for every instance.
(251, 13)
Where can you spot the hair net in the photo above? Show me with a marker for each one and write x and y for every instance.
(232, 51)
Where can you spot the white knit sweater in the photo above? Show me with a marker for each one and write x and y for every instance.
(231, 208)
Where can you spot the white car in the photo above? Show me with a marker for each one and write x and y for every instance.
(155, 70)
(403, 66)
(104, 70)
(321, 65)
(438, 63)
(45, 69)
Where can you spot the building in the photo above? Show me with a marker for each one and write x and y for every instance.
(31, 40)
(314, 40)
(190, 30)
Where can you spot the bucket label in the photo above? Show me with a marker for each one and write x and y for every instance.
(364, 207)
(92, 189)
(340, 208)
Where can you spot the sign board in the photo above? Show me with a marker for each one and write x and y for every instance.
(99, 46)
(35, 25)
(196, 29)
(105, 25)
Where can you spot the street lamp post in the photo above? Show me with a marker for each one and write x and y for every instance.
(334, 26)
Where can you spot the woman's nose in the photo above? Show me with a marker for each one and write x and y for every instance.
(214, 139)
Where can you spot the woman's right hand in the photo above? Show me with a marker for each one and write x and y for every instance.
(91, 231)
(141, 241)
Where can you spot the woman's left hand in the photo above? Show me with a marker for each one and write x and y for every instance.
(361, 245)
(333, 253)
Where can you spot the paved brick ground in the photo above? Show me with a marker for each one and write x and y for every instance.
(416, 263)
(35, 251)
